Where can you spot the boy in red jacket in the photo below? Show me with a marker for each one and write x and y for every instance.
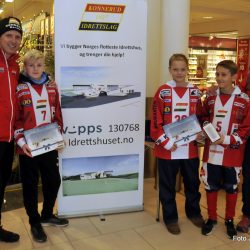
(222, 160)
(173, 101)
(37, 105)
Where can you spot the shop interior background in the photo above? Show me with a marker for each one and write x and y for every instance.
(215, 26)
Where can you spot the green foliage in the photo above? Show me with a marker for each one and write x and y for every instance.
(50, 63)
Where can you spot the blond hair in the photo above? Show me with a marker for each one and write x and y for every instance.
(33, 55)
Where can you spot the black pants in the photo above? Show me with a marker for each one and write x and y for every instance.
(47, 165)
(6, 159)
(220, 177)
(168, 170)
(246, 181)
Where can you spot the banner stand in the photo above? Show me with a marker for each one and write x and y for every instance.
(100, 66)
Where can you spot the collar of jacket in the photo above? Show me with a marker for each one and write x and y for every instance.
(12, 58)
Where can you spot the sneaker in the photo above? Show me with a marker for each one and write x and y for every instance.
(243, 225)
(208, 227)
(197, 221)
(55, 221)
(38, 234)
(231, 231)
(173, 228)
(8, 236)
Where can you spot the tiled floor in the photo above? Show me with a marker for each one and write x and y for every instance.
(135, 231)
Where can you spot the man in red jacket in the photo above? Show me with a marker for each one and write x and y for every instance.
(10, 40)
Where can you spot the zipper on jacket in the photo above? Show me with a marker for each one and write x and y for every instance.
(11, 102)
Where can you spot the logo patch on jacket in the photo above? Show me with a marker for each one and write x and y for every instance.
(167, 110)
(52, 91)
(21, 86)
(26, 102)
(1, 69)
(194, 92)
(23, 93)
(164, 93)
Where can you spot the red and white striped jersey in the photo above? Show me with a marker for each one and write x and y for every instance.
(227, 113)
(37, 105)
(170, 104)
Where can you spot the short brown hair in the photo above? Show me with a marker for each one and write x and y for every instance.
(177, 57)
(230, 65)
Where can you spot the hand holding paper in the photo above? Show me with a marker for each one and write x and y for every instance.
(27, 150)
(219, 141)
(200, 137)
(211, 132)
(61, 146)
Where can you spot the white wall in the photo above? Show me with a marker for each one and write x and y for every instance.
(153, 46)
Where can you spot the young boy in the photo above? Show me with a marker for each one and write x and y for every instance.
(37, 105)
(174, 101)
(222, 160)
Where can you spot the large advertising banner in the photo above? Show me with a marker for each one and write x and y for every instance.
(242, 62)
(100, 63)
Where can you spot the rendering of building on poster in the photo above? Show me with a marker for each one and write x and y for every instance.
(100, 63)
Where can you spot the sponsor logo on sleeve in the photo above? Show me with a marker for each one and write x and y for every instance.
(26, 102)
(238, 104)
(23, 93)
(21, 86)
(211, 102)
(167, 110)
(164, 93)
(194, 92)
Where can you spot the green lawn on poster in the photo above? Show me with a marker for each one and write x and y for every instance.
(97, 186)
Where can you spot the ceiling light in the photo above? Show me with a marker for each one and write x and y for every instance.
(9, 1)
(211, 37)
(207, 17)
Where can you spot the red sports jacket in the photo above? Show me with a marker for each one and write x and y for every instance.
(9, 74)
(37, 105)
(229, 115)
(171, 104)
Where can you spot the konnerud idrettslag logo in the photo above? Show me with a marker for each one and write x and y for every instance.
(102, 17)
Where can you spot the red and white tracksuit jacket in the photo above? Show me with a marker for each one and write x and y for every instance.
(229, 115)
(37, 105)
(9, 74)
(171, 104)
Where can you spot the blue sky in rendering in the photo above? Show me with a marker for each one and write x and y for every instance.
(83, 75)
(119, 164)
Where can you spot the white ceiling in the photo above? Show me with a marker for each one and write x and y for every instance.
(219, 10)
(222, 10)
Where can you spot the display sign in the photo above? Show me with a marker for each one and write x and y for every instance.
(100, 63)
(242, 62)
